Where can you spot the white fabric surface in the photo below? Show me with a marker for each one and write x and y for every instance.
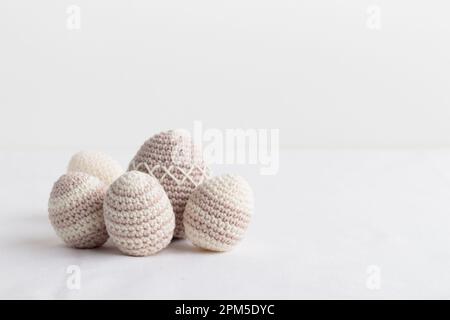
(319, 224)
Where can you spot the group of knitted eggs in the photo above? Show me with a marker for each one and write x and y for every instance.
(166, 193)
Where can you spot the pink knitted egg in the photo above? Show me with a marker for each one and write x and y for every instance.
(218, 213)
(177, 163)
(138, 215)
(75, 210)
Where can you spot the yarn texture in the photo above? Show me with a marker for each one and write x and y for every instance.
(177, 163)
(138, 214)
(75, 210)
(218, 213)
(97, 164)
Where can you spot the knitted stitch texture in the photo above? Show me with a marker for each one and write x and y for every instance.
(218, 213)
(97, 164)
(177, 163)
(75, 210)
(138, 214)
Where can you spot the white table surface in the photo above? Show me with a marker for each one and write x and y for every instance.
(319, 224)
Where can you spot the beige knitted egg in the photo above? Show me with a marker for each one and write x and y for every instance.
(218, 213)
(76, 210)
(138, 214)
(177, 163)
(97, 164)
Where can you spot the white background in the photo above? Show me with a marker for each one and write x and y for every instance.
(313, 69)
(363, 115)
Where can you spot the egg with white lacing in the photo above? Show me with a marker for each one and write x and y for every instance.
(177, 162)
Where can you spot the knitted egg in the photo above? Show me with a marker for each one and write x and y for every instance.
(76, 210)
(177, 163)
(218, 213)
(138, 214)
(97, 164)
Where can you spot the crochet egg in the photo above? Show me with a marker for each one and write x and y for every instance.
(177, 163)
(75, 210)
(97, 164)
(138, 214)
(218, 213)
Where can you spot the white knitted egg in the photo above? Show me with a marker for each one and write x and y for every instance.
(76, 210)
(218, 213)
(177, 163)
(138, 214)
(97, 164)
